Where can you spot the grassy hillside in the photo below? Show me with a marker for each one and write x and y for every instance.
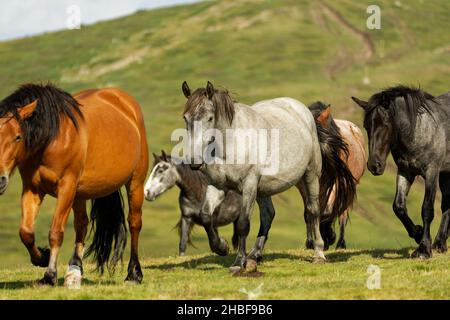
(260, 49)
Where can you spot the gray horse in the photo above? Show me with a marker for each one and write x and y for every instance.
(200, 203)
(415, 127)
(297, 156)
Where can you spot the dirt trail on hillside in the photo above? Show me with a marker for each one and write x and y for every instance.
(344, 58)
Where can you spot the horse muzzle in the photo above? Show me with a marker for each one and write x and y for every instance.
(149, 196)
(376, 167)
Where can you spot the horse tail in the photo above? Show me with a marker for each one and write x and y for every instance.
(336, 176)
(110, 231)
(191, 228)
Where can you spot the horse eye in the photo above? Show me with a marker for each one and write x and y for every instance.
(18, 138)
(210, 119)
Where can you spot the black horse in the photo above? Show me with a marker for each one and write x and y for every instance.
(415, 127)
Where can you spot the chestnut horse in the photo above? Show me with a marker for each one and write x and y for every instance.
(75, 149)
(354, 155)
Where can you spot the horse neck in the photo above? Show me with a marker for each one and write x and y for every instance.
(191, 183)
(407, 136)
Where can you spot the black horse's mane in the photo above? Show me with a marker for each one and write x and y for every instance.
(42, 126)
(416, 100)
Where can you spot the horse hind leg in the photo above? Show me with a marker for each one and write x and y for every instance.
(267, 214)
(73, 277)
(342, 223)
(310, 186)
(309, 244)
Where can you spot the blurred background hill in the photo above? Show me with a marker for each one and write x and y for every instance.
(258, 49)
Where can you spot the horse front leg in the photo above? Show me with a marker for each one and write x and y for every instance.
(217, 244)
(404, 182)
(424, 250)
(249, 191)
(73, 277)
(267, 214)
(31, 202)
(185, 227)
(65, 196)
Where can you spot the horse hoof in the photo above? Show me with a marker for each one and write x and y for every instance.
(132, 282)
(235, 269)
(182, 254)
(341, 245)
(134, 278)
(73, 278)
(251, 266)
(440, 247)
(421, 253)
(418, 235)
(49, 279)
(44, 259)
(309, 244)
(319, 260)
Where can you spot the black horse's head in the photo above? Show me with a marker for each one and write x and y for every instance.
(380, 131)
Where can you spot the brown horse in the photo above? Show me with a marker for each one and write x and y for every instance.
(75, 149)
(354, 156)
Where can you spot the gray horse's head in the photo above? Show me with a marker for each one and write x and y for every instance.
(164, 175)
(380, 131)
(205, 109)
(383, 128)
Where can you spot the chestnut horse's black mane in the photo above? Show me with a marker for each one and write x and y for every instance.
(42, 126)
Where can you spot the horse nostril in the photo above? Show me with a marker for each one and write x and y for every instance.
(378, 164)
(3, 180)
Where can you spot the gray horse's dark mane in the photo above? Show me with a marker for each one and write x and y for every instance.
(194, 180)
(222, 100)
(417, 101)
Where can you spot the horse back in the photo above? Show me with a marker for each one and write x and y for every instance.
(113, 138)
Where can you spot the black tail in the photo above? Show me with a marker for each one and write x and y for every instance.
(191, 228)
(335, 172)
(110, 231)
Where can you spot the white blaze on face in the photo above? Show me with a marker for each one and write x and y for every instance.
(213, 199)
(153, 185)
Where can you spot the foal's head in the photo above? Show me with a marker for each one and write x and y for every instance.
(164, 176)
(205, 109)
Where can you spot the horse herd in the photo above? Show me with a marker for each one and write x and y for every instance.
(87, 146)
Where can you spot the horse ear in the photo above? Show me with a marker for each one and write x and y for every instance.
(27, 111)
(156, 157)
(361, 103)
(209, 90)
(324, 116)
(186, 89)
(164, 155)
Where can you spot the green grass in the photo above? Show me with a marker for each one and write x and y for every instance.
(258, 49)
(285, 274)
